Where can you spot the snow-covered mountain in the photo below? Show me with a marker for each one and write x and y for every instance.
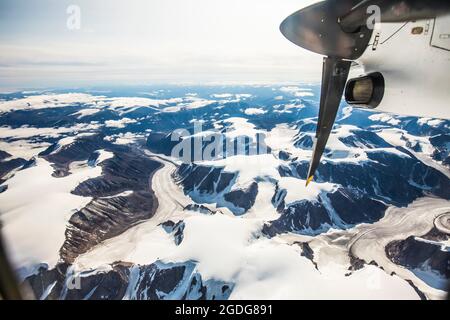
(95, 204)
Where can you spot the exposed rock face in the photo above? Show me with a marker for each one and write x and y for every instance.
(176, 229)
(374, 178)
(110, 285)
(104, 218)
(205, 183)
(164, 143)
(128, 170)
(80, 149)
(306, 216)
(420, 255)
(159, 142)
(419, 293)
(441, 143)
(354, 206)
(365, 139)
(60, 283)
(435, 235)
(46, 117)
(122, 195)
(47, 284)
(307, 252)
(305, 142)
(243, 198)
(157, 281)
(341, 209)
(283, 155)
(427, 256)
(4, 155)
(199, 208)
(206, 180)
(367, 187)
(356, 263)
(30, 163)
(6, 166)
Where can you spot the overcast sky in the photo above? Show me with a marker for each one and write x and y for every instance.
(149, 42)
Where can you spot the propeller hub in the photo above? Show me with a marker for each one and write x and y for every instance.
(316, 28)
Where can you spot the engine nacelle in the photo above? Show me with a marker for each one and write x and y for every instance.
(366, 91)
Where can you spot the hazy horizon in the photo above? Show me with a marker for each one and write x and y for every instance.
(149, 43)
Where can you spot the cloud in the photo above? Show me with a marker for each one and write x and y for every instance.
(28, 132)
(86, 112)
(297, 91)
(92, 103)
(383, 117)
(254, 111)
(122, 123)
(222, 95)
(430, 122)
(47, 101)
(158, 41)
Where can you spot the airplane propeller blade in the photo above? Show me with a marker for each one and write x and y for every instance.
(338, 30)
(334, 76)
(317, 28)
